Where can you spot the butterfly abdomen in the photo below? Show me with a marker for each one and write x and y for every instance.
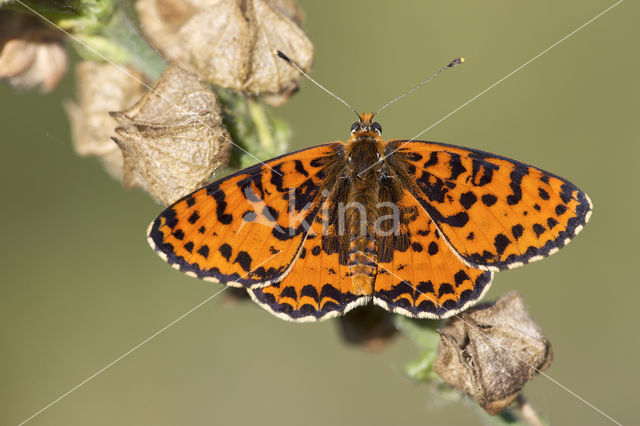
(361, 213)
(363, 257)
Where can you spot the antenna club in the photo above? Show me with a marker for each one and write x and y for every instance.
(281, 55)
(455, 62)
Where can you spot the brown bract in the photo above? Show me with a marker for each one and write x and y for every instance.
(230, 43)
(101, 88)
(31, 54)
(173, 139)
(490, 352)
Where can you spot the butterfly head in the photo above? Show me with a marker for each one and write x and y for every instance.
(366, 124)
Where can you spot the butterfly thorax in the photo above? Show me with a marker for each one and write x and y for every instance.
(363, 153)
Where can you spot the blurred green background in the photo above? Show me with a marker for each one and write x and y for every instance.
(80, 286)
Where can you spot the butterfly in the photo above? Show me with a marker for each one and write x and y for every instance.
(416, 227)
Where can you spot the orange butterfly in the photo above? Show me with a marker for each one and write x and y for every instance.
(416, 226)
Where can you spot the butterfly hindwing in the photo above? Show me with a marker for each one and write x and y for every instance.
(246, 229)
(418, 275)
(318, 285)
(495, 212)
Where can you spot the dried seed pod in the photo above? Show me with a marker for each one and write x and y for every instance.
(368, 327)
(230, 43)
(173, 139)
(490, 352)
(101, 88)
(31, 54)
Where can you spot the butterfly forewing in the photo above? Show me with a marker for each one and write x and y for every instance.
(496, 213)
(245, 229)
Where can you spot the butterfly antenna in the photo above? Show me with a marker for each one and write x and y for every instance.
(285, 58)
(451, 64)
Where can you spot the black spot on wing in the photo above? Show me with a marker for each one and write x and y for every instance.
(300, 168)
(543, 194)
(170, 217)
(221, 205)
(445, 288)
(433, 248)
(481, 171)
(425, 287)
(277, 177)
(501, 242)
(433, 187)
(289, 291)
(310, 291)
(538, 229)
(460, 277)
(244, 260)
(411, 156)
(561, 209)
(566, 191)
(457, 220)
(516, 176)
(517, 231)
(489, 199)
(456, 166)
(194, 217)
(330, 291)
(468, 199)
(226, 251)
(204, 251)
(304, 194)
(432, 161)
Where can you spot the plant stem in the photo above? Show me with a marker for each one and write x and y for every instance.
(123, 30)
(528, 413)
(259, 117)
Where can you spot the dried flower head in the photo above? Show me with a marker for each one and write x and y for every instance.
(173, 139)
(368, 327)
(101, 88)
(31, 54)
(230, 43)
(490, 352)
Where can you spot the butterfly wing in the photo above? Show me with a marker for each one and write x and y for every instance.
(318, 286)
(418, 275)
(496, 213)
(245, 229)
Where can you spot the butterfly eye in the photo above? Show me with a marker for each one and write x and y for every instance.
(355, 127)
(378, 128)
